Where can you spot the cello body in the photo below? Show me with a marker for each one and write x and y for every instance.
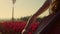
(53, 27)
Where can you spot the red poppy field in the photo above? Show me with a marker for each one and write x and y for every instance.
(16, 27)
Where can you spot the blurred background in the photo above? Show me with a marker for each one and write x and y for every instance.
(21, 12)
(22, 8)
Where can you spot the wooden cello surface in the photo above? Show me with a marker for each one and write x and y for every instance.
(53, 27)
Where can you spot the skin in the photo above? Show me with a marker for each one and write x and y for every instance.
(44, 7)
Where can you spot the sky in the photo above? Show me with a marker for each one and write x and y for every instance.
(22, 8)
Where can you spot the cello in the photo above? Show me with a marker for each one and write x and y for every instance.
(47, 25)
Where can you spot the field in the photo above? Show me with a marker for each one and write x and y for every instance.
(16, 27)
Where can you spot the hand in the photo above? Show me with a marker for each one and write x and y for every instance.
(23, 31)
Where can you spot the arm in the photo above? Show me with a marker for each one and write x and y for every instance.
(44, 7)
(41, 10)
